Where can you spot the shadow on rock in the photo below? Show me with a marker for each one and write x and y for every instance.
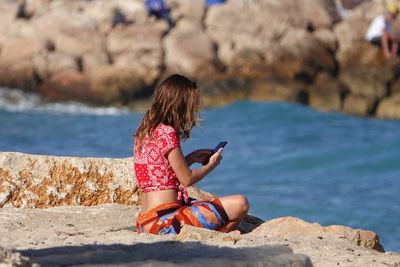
(249, 223)
(167, 253)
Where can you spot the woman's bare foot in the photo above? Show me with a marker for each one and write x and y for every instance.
(236, 232)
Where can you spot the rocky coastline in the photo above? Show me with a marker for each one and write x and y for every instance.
(296, 51)
(75, 211)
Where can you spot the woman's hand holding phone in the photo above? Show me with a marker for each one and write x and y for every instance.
(199, 156)
(215, 150)
(216, 158)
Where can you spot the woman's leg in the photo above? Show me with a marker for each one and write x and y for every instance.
(236, 207)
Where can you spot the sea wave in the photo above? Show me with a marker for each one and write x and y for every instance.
(15, 100)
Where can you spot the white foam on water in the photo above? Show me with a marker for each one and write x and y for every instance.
(15, 100)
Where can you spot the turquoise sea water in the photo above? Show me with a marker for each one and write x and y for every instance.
(288, 159)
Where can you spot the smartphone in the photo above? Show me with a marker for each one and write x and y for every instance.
(220, 145)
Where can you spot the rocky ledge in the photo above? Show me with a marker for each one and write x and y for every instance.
(74, 211)
(296, 51)
(104, 234)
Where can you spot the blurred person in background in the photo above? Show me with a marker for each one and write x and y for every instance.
(384, 31)
(119, 18)
(159, 9)
(215, 2)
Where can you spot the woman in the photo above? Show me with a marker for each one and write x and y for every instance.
(160, 166)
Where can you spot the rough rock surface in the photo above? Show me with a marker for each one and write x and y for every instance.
(189, 50)
(137, 47)
(31, 181)
(294, 227)
(359, 105)
(326, 93)
(76, 235)
(35, 181)
(389, 107)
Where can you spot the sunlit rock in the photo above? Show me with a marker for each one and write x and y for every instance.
(389, 108)
(290, 227)
(359, 105)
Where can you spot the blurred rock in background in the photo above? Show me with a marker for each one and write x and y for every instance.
(299, 51)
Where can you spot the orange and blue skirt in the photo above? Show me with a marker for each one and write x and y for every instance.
(170, 217)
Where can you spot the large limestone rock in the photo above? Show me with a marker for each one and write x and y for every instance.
(102, 84)
(9, 10)
(359, 105)
(364, 70)
(19, 74)
(47, 64)
(277, 90)
(138, 48)
(193, 10)
(93, 59)
(71, 31)
(275, 41)
(217, 93)
(102, 12)
(395, 87)
(110, 84)
(16, 62)
(290, 227)
(327, 37)
(136, 39)
(19, 49)
(68, 84)
(389, 108)
(189, 50)
(30, 181)
(326, 93)
(14, 28)
(323, 14)
(36, 181)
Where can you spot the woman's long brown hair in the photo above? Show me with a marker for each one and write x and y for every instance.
(176, 103)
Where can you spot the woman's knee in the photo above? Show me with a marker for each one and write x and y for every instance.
(244, 203)
(241, 203)
(236, 206)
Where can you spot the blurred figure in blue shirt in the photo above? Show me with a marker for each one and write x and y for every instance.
(214, 2)
(159, 9)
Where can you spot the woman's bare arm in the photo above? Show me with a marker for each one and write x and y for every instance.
(187, 176)
(385, 44)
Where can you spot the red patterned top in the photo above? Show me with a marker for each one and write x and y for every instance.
(152, 169)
